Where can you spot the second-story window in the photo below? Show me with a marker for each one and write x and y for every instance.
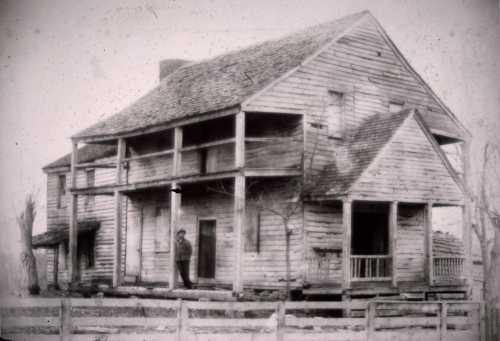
(335, 113)
(395, 106)
(61, 191)
(90, 179)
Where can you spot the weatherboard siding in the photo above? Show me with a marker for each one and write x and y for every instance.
(149, 168)
(267, 267)
(410, 251)
(100, 209)
(362, 66)
(323, 242)
(408, 169)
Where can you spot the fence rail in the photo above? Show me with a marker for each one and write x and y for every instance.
(371, 267)
(144, 319)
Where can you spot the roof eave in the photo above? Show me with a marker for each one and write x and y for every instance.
(158, 127)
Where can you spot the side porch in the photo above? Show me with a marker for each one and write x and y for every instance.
(363, 248)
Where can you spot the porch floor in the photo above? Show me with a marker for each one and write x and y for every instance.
(166, 293)
(386, 288)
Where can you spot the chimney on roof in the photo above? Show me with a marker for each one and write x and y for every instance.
(167, 66)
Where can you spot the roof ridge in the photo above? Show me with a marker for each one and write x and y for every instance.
(274, 40)
(315, 53)
(219, 82)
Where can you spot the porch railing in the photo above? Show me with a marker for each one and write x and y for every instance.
(448, 268)
(371, 267)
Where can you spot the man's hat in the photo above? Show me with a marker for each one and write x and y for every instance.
(181, 231)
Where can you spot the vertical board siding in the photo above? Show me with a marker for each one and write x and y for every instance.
(324, 234)
(410, 250)
(409, 169)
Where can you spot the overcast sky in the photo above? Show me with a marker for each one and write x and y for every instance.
(67, 64)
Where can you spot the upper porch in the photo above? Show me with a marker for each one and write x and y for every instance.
(198, 151)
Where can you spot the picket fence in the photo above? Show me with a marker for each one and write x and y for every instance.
(103, 319)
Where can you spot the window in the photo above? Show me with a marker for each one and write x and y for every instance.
(61, 191)
(252, 233)
(395, 107)
(334, 112)
(90, 177)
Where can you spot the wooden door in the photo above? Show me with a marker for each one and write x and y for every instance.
(206, 248)
(134, 240)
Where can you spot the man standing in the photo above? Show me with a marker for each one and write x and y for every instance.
(183, 251)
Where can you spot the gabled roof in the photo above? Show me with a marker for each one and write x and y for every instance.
(86, 153)
(352, 159)
(221, 82)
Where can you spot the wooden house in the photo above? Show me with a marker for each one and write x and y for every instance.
(336, 103)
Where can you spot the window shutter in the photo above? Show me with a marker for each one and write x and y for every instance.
(162, 232)
(335, 112)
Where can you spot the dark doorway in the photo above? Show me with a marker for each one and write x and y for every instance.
(206, 248)
(370, 229)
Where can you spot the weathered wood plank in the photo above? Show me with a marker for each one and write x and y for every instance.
(346, 247)
(124, 321)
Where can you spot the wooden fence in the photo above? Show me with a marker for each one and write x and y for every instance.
(142, 319)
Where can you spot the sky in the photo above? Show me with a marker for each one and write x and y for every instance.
(66, 64)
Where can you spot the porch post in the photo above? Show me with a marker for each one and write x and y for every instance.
(467, 214)
(73, 219)
(117, 254)
(175, 204)
(346, 244)
(429, 262)
(393, 232)
(239, 201)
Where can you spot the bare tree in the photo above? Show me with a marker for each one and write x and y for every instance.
(486, 226)
(25, 222)
(285, 202)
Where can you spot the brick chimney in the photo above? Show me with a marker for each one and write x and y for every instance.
(167, 66)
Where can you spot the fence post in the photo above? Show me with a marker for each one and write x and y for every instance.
(370, 314)
(280, 321)
(482, 324)
(497, 321)
(474, 319)
(443, 321)
(65, 327)
(178, 336)
(184, 321)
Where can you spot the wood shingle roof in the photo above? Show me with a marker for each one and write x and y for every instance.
(86, 153)
(221, 82)
(352, 159)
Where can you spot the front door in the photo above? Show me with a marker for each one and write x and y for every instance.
(206, 248)
(133, 251)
